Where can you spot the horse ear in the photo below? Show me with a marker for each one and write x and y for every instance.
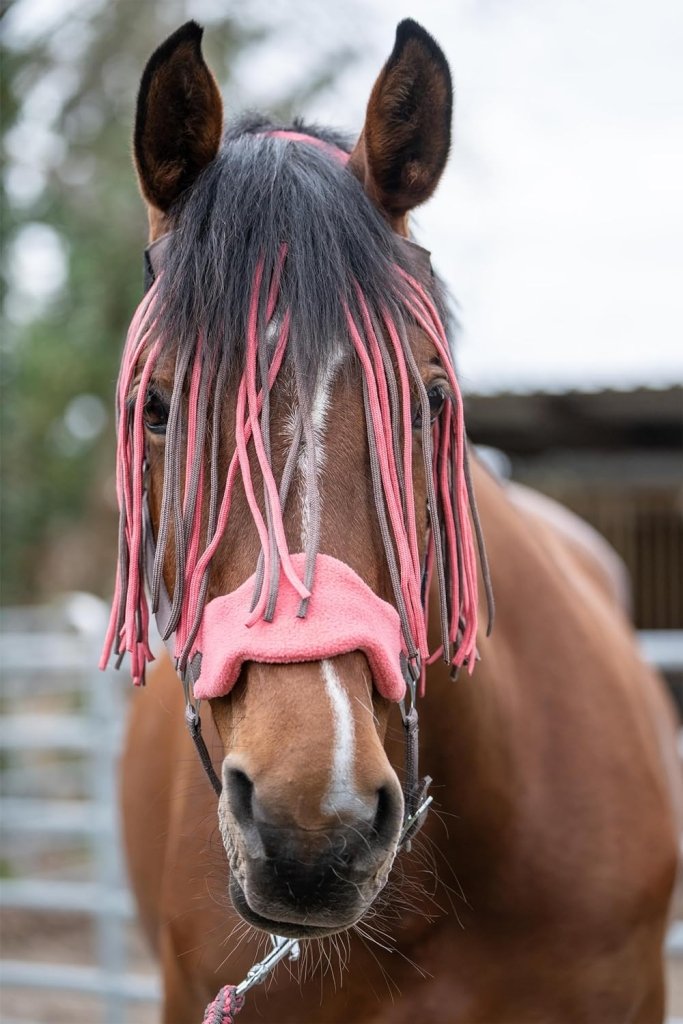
(404, 144)
(179, 118)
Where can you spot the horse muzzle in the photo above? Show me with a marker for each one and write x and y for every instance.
(306, 882)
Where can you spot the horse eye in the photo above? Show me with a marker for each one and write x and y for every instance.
(155, 413)
(437, 400)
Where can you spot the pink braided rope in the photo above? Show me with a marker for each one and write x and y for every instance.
(407, 434)
(193, 549)
(242, 434)
(381, 421)
(410, 566)
(268, 478)
(427, 317)
(131, 606)
(224, 1007)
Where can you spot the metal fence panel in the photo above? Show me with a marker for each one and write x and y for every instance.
(50, 655)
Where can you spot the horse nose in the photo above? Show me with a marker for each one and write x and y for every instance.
(276, 821)
(322, 874)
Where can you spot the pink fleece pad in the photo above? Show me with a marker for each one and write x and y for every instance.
(343, 615)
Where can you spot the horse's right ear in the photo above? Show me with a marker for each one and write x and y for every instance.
(404, 144)
(179, 119)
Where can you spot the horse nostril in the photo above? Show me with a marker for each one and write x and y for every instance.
(240, 790)
(387, 815)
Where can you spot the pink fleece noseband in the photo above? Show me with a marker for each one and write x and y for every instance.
(343, 615)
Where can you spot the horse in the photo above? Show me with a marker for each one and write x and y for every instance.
(289, 361)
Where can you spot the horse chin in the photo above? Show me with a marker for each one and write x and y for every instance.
(287, 926)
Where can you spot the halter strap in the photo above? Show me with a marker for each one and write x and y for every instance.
(290, 136)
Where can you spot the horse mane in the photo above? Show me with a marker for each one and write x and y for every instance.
(257, 194)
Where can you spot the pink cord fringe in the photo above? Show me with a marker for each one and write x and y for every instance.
(128, 626)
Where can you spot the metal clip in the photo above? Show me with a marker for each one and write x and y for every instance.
(413, 818)
(257, 974)
(410, 670)
(187, 678)
(187, 681)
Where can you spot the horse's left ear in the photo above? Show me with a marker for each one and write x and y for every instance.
(179, 119)
(404, 145)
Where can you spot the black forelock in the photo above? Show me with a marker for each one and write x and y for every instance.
(258, 193)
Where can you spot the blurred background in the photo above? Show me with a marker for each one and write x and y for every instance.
(558, 227)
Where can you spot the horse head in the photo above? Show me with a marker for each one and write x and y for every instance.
(292, 464)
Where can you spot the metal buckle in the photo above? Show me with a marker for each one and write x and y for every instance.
(257, 974)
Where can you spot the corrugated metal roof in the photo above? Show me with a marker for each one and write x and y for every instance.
(640, 418)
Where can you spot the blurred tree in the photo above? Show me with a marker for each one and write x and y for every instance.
(74, 230)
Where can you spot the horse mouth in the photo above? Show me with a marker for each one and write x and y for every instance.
(281, 926)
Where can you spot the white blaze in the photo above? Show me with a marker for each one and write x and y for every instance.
(341, 794)
(318, 416)
(319, 410)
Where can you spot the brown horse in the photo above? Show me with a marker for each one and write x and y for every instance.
(539, 886)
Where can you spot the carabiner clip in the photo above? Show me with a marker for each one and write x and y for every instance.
(410, 670)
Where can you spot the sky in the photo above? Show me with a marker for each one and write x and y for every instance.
(558, 224)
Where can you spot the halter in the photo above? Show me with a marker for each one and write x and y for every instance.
(296, 606)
